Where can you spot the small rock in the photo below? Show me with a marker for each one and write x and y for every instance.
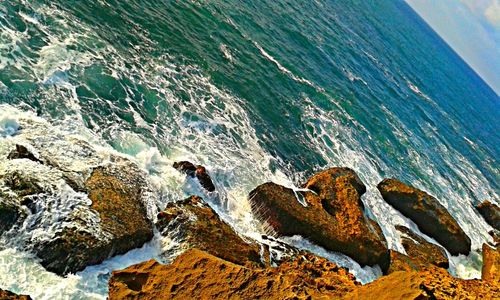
(196, 225)
(419, 253)
(199, 172)
(198, 275)
(430, 216)
(10, 212)
(22, 152)
(333, 217)
(491, 264)
(8, 295)
(491, 213)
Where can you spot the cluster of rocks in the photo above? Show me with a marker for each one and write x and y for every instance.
(216, 262)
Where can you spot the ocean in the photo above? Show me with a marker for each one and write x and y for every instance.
(255, 91)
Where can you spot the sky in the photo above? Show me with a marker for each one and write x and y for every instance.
(471, 28)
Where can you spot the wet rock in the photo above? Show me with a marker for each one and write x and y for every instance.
(22, 152)
(333, 217)
(432, 283)
(8, 295)
(199, 172)
(22, 184)
(419, 253)
(194, 224)
(430, 216)
(198, 275)
(10, 212)
(491, 213)
(116, 194)
(491, 264)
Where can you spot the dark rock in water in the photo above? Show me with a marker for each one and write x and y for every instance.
(491, 213)
(22, 184)
(333, 217)
(23, 152)
(198, 275)
(195, 224)
(10, 212)
(419, 253)
(430, 216)
(8, 295)
(116, 198)
(199, 172)
(491, 264)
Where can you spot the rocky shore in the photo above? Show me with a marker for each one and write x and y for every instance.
(114, 216)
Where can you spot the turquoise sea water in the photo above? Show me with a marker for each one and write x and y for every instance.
(255, 91)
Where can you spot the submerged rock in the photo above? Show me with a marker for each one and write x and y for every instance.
(22, 152)
(419, 253)
(491, 264)
(332, 217)
(432, 283)
(198, 275)
(116, 198)
(8, 295)
(430, 216)
(194, 224)
(491, 213)
(199, 172)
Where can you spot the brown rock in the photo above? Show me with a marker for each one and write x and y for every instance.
(419, 253)
(8, 295)
(116, 197)
(199, 275)
(22, 152)
(199, 172)
(333, 217)
(10, 212)
(196, 225)
(430, 216)
(491, 264)
(432, 283)
(491, 213)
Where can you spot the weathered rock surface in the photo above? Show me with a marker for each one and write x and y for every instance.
(116, 198)
(198, 275)
(491, 264)
(199, 172)
(194, 224)
(432, 283)
(491, 213)
(419, 253)
(10, 212)
(430, 216)
(22, 152)
(8, 295)
(333, 217)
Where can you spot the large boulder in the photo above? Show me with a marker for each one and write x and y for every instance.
(8, 295)
(194, 224)
(432, 284)
(115, 193)
(419, 253)
(430, 216)
(491, 213)
(198, 275)
(491, 264)
(332, 216)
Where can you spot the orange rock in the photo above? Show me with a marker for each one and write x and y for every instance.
(432, 283)
(8, 295)
(196, 225)
(430, 216)
(491, 264)
(199, 275)
(333, 217)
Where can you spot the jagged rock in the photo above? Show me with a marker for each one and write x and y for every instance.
(491, 264)
(22, 152)
(198, 275)
(419, 253)
(8, 295)
(199, 172)
(195, 224)
(116, 197)
(430, 216)
(432, 283)
(22, 184)
(491, 213)
(333, 217)
(10, 212)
